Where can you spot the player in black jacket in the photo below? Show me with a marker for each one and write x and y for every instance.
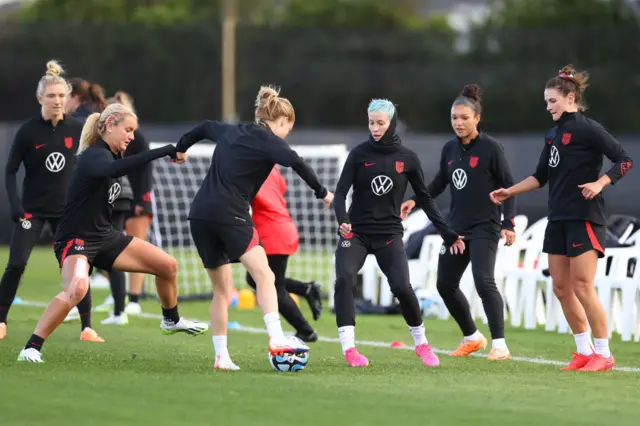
(221, 226)
(571, 162)
(86, 236)
(379, 171)
(46, 145)
(473, 164)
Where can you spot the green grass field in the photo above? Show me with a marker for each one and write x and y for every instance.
(140, 377)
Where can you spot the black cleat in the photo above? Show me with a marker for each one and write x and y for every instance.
(308, 338)
(315, 300)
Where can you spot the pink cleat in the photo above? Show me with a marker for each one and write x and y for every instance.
(425, 352)
(355, 359)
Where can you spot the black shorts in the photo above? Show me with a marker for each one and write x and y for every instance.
(573, 237)
(219, 243)
(101, 253)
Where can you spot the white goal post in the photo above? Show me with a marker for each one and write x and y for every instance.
(174, 187)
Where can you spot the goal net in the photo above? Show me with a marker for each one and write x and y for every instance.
(174, 186)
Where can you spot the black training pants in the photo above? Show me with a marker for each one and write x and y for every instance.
(287, 307)
(392, 259)
(481, 252)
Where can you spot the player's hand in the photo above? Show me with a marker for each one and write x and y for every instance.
(344, 229)
(328, 199)
(509, 236)
(500, 195)
(458, 246)
(591, 190)
(181, 157)
(406, 208)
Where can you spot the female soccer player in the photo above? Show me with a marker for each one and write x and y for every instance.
(473, 164)
(379, 171)
(221, 225)
(85, 99)
(86, 237)
(46, 145)
(571, 162)
(279, 237)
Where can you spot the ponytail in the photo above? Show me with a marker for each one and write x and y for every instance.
(90, 132)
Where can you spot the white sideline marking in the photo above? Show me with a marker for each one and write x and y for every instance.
(364, 342)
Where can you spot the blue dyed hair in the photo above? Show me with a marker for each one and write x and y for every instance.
(382, 105)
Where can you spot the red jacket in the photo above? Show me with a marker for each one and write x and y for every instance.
(277, 230)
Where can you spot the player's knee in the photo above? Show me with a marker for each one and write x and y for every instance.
(77, 289)
(583, 287)
(169, 269)
(562, 289)
(445, 286)
(264, 276)
(485, 285)
(400, 289)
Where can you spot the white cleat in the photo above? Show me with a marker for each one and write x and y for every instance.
(72, 315)
(133, 308)
(225, 364)
(121, 319)
(193, 328)
(291, 345)
(30, 355)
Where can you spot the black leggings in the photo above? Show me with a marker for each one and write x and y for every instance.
(392, 259)
(287, 307)
(481, 253)
(24, 237)
(117, 279)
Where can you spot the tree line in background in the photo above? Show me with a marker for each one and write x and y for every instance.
(330, 57)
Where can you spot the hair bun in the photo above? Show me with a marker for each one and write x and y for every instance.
(54, 69)
(268, 95)
(472, 91)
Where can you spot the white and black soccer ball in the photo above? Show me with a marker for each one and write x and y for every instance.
(289, 362)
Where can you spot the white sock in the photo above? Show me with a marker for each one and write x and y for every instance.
(475, 336)
(498, 344)
(583, 343)
(418, 333)
(274, 327)
(602, 347)
(220, 345)
(347, 335)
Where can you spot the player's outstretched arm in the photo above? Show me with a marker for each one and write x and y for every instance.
(281, 153)
(208, 129)
(416, 179)
(100, 163)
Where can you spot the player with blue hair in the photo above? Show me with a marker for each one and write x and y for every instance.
(379, 171)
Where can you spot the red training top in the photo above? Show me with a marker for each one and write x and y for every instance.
(270, 214)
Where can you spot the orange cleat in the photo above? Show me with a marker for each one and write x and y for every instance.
(577, 362)
(468, 347)
(499, 355)
(90, 335)
(599, 363)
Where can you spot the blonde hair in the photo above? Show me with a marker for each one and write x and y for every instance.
(52, 76)
(269, 106)
(123, 98)
(96, 124)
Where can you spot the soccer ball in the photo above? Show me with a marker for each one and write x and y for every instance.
(289, 362)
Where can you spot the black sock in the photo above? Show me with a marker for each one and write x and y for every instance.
(171, 314)
(134, 298)
(35, 342)
(84, 309)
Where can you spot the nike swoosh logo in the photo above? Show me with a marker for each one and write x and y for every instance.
(389, 242)
(450, 162)
(40, 146)
(369, 164)
(576, 245)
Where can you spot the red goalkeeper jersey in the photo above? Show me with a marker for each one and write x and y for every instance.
(270, 215)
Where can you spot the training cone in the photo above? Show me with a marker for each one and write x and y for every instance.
(397, 344)
(246, 299)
